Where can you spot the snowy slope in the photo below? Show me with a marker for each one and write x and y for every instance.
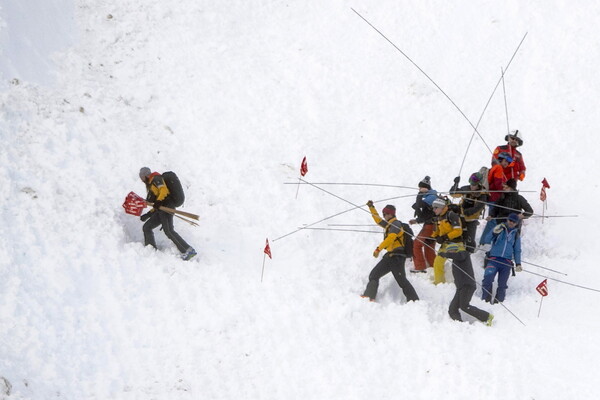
(231, 96)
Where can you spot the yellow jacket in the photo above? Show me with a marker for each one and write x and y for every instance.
(393, 237)
(448, 224)
(157, 187)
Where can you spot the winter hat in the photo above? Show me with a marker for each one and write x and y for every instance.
(512, 183)
(513, 217)
(506, 156)
(438, 203)
(475, 179)
(425, 183)
(389, 209)
(144, 172)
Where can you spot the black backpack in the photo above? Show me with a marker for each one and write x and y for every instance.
(176, 195)
(408, 240)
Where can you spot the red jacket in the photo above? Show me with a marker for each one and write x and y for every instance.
(496, 179)
(516, 169)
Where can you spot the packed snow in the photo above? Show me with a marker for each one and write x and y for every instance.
(231, 96)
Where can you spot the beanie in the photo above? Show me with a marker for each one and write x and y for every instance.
(425, 183)
(512, 183)
(389, 209)
(144, 172)
(438, 203)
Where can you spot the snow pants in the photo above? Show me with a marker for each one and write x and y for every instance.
(496, 266)
(439, 269)
(395, 265)
(464, 279)
(424, 248)
(165, 219)
(470, 235)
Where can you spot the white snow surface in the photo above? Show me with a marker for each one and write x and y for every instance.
(232, 95)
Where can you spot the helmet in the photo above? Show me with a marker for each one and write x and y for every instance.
(506, 156)
(475, 178)
(517, 135)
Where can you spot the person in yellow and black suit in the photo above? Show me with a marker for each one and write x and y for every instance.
(448, 233)
(397, 242)
(158, 193)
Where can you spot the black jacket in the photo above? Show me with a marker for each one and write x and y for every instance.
(511, 202)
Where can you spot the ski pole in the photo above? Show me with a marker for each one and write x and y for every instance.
(488, 103)
(350, 184)
(343, 230)
(424, 73)
(528, 263)
(566, 283)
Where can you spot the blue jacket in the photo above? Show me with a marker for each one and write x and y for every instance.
(506, 243)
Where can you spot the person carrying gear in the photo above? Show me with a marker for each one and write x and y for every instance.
(474, 197)
(159, 195)
(506, 246)
(464, 280)
(510, 202)
(397, 243)
(448, 233)
(424, 246)
(516, 169)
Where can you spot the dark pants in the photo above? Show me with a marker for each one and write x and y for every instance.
(496, 266)
(470, 235)
(166, 220)
(464, 279)
(395, 265)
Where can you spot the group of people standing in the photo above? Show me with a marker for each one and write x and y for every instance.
(454, 226)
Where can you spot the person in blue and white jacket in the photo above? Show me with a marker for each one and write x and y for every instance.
(506, 247)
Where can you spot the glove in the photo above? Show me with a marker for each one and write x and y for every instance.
(370, 203)
(457, 179)
(376, 252)
(412, 221)
(518, 268)
(522, 176)
(157, 204)
(498, 228)
(146, 216)
(441, 239)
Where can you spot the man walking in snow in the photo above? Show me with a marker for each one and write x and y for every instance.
(398, 245)
(448, 233)
(506, 246)
(424, 246)
(158, 193)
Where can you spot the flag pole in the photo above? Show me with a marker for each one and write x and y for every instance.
(540, 309)
(263, 267)
(298, 189)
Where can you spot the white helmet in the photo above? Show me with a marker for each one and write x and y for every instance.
(517, 135)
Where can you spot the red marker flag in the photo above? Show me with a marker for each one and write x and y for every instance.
(545, 186)
(542, 288)
(303, 167)
(268, 250)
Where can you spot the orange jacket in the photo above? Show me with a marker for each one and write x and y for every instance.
(496, 180)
